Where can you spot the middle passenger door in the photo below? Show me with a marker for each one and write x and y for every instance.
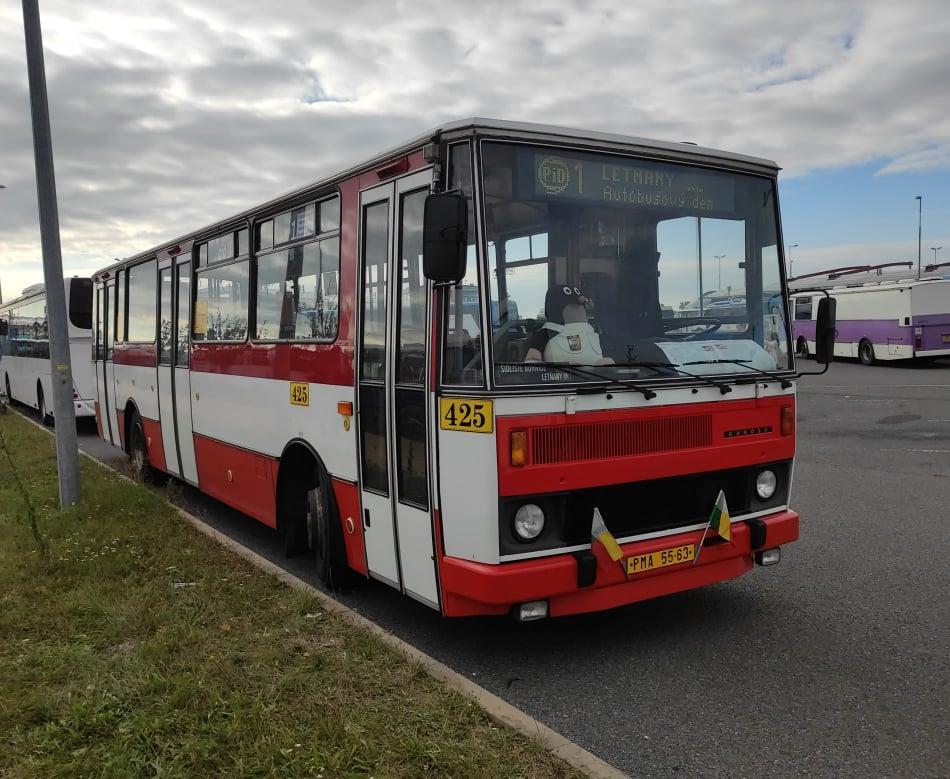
(393, 354)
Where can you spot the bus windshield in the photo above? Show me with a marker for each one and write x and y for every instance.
(628, 268)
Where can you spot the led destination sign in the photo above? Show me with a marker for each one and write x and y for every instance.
(636, 184)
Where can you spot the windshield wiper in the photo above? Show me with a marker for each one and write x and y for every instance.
(724, 389)
(570, 368)
(745, 363)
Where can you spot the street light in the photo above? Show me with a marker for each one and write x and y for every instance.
(2, 186)
(719, 257)
(935, 249)
(789, 255)
(920, 211)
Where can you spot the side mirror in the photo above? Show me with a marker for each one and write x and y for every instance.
(825, 330)
(445, 237)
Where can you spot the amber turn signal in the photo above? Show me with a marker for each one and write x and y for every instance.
(345, 408)
(519, 447)
(788, 420)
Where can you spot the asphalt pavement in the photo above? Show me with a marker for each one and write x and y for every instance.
(835, 662)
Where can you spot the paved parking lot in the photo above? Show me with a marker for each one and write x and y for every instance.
(834, 662)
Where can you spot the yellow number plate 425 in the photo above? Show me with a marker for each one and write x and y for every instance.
(466, 414)
(299, 393)
(647, 562)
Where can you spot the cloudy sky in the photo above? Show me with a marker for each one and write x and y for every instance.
(167, 115)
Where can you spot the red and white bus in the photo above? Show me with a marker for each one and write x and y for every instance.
(451, 436)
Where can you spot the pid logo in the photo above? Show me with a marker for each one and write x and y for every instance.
(553, 175)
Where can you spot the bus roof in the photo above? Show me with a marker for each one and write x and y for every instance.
(685, 151)
(838, 286)
(36, 290)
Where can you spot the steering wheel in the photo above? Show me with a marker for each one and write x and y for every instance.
(712, 325)
(510, 325)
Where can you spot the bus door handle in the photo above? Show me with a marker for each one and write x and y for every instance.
(366, 522)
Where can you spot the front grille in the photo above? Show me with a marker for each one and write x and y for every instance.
(641, 507)
(623, 438)
(661, 504)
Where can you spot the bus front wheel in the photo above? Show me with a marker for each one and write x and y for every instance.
(45, 417)
(866, 352)
(326, 535)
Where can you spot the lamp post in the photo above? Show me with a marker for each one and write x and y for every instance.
(2, 186)
(719, 257)
(920, 212)
(935, 249)
(789, 254)
(67, 450)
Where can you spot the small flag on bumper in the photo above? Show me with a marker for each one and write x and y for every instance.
(719, 521)
(599, 532)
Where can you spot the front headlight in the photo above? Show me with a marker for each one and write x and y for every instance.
(765, 484)
(529, 522)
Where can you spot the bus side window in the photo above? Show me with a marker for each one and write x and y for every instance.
(803, 308)
(184, 301)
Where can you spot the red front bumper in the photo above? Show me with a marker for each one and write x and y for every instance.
(477, 588)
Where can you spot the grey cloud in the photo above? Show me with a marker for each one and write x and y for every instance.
(167, 116)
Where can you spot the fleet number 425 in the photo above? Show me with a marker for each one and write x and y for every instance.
(467, 414)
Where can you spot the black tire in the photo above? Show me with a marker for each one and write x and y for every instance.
(6, 378)
(293, 524)
(866, 352)
(801, 349)
(326, 535)
(138, 454)
(45, 417)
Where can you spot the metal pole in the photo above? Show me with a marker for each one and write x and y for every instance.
(2, 186)
(699, 251)
(67, 450)
(920, 212)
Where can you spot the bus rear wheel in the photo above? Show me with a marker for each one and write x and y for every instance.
(801, 348)
(326, 535)
(138, 454)
(866, 352)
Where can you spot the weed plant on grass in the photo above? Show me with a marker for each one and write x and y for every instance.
(133, 645)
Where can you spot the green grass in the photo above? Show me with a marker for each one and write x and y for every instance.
(132, 645)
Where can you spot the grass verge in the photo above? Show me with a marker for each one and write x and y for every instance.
(130, 644)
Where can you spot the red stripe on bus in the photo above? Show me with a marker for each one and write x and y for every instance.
(242, 479)
(141, 355)
(317, 363)
(575, 471)
(155, 445)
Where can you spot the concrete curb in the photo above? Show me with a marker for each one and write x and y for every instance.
(499, 710)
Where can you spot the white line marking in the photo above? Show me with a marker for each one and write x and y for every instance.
(921, 451)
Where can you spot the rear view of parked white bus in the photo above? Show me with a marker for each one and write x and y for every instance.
(24, 348)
